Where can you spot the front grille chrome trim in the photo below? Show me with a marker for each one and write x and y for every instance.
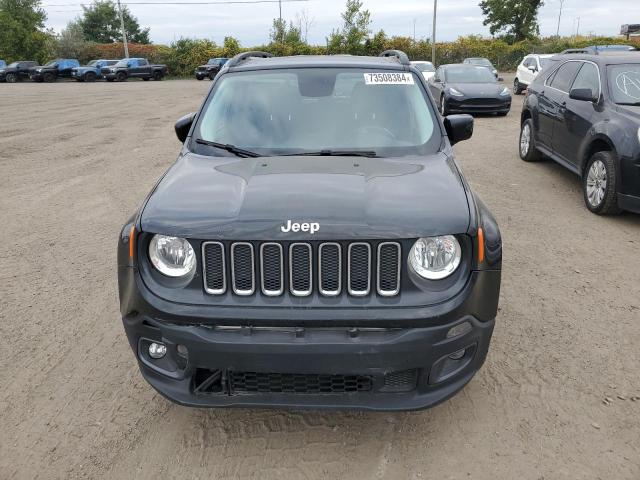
(243, 292)
(359, 293)
(265, 291)
(394, 292)
(330, 293)
(214, 291)
(294, 292)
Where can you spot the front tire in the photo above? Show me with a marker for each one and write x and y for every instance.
(517, 88)
(90, 77)
(121, 77)
(157, 76)
(526, 145)
(599, 184)
(212, 75)
(11, 78)
(49, 77)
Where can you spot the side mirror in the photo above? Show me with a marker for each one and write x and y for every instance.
(183, 125)
(458, 127)
(583, 94)
(532, 68)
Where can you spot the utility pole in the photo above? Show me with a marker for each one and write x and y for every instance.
(414, 30)
(433, 33)
(281, 26)
(578, 28)
(124, 34)
(559, 17)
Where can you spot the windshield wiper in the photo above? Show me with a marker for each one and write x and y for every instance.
(633, 104)
(240, 152)
(334, 153)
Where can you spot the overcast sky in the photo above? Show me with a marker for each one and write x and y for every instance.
(250, 23)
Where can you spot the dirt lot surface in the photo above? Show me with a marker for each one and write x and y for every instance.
(77, 159)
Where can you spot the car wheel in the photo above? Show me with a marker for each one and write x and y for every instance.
(198, 77)
(517, 88)
(157, 76)
(90, 77)
(212, 75)
(599, 184)
(527, 147)
(11, 78)
(109, 79)
(443, 106)
(48, 77)
(121, 77)
(146, 79)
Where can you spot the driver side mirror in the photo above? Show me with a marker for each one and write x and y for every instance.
(183, 125)
(532, 68)
(583, 94)
(458, 127)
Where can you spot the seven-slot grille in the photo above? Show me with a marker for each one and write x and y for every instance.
(329, 268)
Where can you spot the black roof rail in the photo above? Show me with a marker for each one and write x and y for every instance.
(399, 54)
(241, 57)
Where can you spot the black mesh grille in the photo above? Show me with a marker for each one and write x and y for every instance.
(213, 254)
(300, 265)
(330, 271)
(388, 271)
(252, 382)
(271, 269)
(403, 381)
(359, 269)
(242, 267)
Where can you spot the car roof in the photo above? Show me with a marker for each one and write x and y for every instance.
(328, 61)
(608, 58)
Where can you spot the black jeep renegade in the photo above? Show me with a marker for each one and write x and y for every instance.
(314, 245)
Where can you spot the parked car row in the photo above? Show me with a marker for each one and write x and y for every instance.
(110, 70)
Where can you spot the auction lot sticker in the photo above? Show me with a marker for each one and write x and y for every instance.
(388, 78)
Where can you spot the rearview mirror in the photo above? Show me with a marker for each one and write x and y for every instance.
(183, 125)
(458, 127)
(583, 94)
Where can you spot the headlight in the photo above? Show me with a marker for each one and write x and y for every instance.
(172, 256)
(455, 92)
(504, 92)
(495, 72)
(435, 258)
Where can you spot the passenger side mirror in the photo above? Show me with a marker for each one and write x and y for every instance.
(458, 127)
(583, 94)
(183, 125)
(532, 68)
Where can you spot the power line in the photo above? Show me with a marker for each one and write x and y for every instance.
(227, 2)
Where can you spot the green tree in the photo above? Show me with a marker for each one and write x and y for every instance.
(22, 33)
(518, 19)
(72, 44)
(355, 30)
(287, 34)
(100, 23)
(230, 46)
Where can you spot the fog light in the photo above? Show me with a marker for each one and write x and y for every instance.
(182, 351)
(459, 329)
(157, 350)
(457, 355)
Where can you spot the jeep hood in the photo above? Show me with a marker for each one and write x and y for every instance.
(350, 197)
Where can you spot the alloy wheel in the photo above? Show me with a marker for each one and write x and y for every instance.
(596, 183)
(525, 140)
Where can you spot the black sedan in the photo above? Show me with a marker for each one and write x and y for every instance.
(584, 113)
(469, 89)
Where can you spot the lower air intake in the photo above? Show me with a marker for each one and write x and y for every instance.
(253, 382)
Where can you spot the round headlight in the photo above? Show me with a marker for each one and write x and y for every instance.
(172, 256)
(435, 258)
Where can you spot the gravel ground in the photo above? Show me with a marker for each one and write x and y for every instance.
(554, 400)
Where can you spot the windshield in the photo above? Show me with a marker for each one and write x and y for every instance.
(463, 74)
(122, 63)
(544, 62)
(425, 67)
(292, 111)
(51, 63)
(624, 83)
(92, 63)
(479, 61)
(212, 61)
(13, 65)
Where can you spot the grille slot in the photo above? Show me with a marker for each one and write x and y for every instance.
(330, 269)
(300, 269)
(271, 269)
(214, 268)
(253, 382)
(359, 269)
(403, 381)
(242, 271)
(388, 269)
